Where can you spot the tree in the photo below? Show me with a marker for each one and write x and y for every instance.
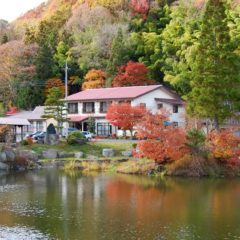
(54, 82)
(146, 40)
(55, 108)
(132, 74)
(4, 39)
(16, 69)
(164, 143)
(94, 79)
(140, 7)
(124, 115)
(91, 124)
(177, 40)
(224, 147)
(215, 72)
(119, 53)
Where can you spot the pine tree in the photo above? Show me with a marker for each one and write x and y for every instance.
(55, 108)
(215, 68)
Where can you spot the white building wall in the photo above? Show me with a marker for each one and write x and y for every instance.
(149, 99)
(151, 104)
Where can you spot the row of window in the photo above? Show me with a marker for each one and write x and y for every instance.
(89, 107)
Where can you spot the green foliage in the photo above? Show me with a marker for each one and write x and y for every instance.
(4, 39)
(177, 40)
(91, 124)
(147, 40)
(55, 108)
(215, 72)
(195, 139)
(120, 53)
(75, 138)
(2, 110)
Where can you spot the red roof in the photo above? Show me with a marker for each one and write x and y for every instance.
(78, 118)
(112, 93)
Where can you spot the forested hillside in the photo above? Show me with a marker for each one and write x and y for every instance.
(113, 42)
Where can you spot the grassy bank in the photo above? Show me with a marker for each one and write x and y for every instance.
(89, 148)
(131, 166)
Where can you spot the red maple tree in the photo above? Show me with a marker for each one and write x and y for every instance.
(124, 115)
(164, 143)
(224, 147)
(140, 7)
(132, 74)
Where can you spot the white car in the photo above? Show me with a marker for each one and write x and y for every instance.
(87, 135)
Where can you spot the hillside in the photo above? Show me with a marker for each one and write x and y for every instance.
(114, 39)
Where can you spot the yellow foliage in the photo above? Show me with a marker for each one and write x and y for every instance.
(94, 79)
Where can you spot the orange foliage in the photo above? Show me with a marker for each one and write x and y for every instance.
(124, 115)
(132, 74)
(94, 79)
(163, 143)
(224, 146)
(54, 82)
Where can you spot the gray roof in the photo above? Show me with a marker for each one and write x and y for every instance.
(36, 114)
(14, 121)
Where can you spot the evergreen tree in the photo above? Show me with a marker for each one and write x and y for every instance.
(177, 41)
(4, 39)
(119, 53)
(147, 39)
(215, 68)
(55, 108)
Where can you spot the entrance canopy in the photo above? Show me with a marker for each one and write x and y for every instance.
(14, 121)
(78, 118)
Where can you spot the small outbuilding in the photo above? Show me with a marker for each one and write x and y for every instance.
(15, 125)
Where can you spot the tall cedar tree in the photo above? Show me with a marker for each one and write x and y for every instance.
(119, 53)
(55, 108)
(215, 68)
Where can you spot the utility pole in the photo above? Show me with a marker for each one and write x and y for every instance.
(66, 79)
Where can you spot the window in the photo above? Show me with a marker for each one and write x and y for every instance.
(159, 106)
(175, 124)
(175, 108)
(104, 129)
(39, 126)
(143, 105)
(88, 107)
(104, 106)
(72, 108)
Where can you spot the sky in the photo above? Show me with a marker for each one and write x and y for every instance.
(11, 9)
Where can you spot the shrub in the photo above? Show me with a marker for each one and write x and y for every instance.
(76, 138)
(29, 141)
(188, 166)
(164, 143)
(195, 140)
(224, 147)
(24, 142)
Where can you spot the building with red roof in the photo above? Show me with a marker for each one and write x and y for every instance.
(94, 103)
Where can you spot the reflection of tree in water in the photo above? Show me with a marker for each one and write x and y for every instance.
(123, 206)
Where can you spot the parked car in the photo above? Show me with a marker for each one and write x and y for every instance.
(33, 134)
(87, 135)
(66, 131)
(39, 135)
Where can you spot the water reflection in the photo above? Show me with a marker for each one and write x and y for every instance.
(60, 206)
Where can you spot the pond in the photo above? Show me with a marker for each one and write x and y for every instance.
(49, 204)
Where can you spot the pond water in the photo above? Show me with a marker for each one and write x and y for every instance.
(49, 204)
